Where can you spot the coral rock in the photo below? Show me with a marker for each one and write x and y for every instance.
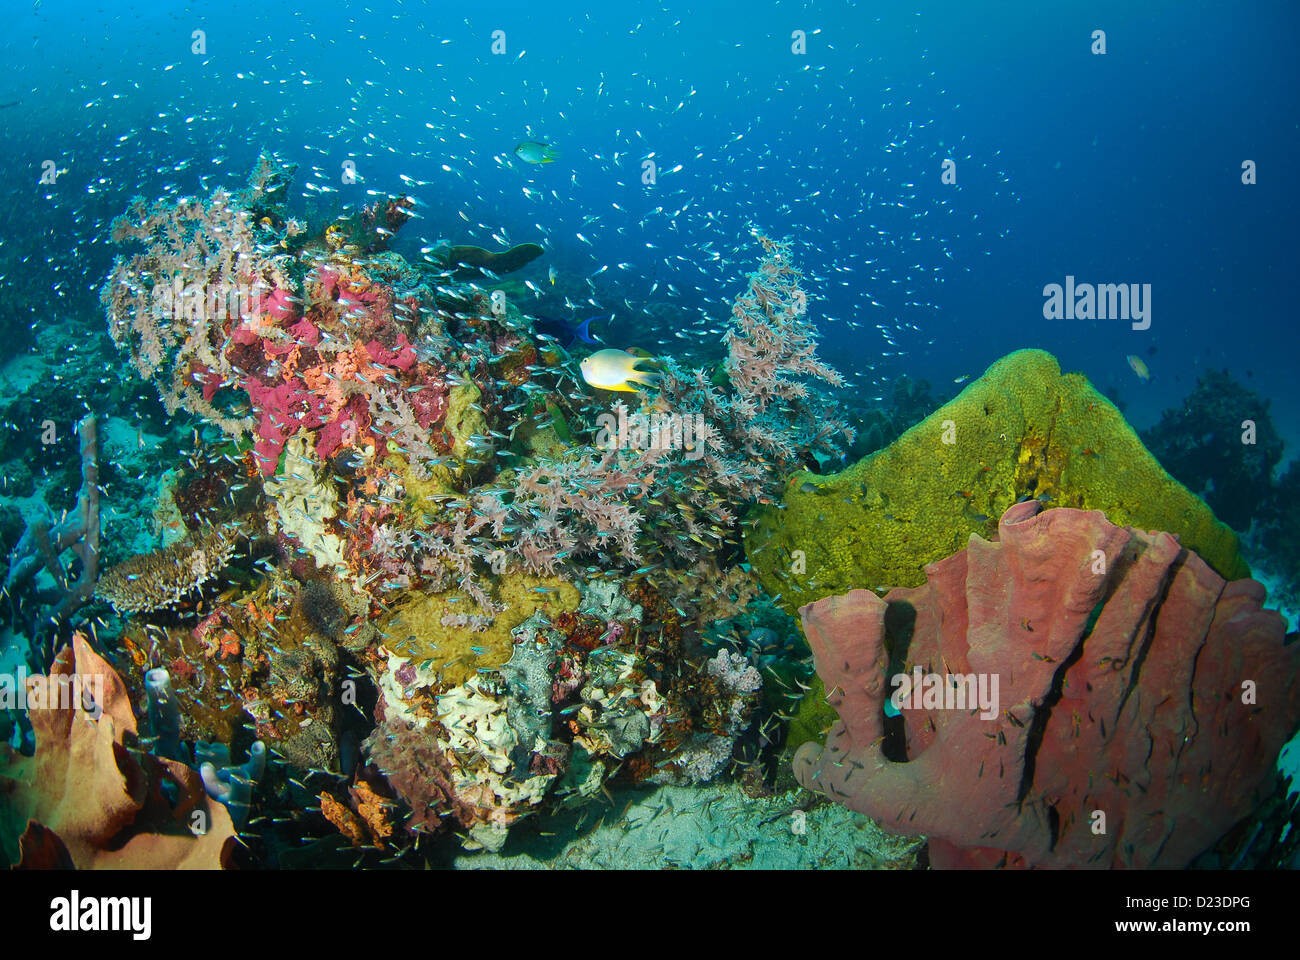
(1134, 682)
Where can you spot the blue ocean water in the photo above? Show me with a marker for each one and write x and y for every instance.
(1115, 168)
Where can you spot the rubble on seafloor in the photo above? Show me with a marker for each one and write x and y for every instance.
(710, 827)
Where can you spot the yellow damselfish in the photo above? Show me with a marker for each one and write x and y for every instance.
(612, 369)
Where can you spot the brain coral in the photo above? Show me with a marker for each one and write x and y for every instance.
(1023, 429)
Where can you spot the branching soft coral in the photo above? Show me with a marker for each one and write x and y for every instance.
(771, 352)
(672, 496)
(771, 341)
(200, 262)
(223, 300)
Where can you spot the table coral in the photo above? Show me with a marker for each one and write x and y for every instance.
(1023, 429)
(1143, 699)
(161, 579)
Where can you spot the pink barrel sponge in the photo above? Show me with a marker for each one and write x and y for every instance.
(1141, 699)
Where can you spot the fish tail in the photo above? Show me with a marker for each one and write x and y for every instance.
(583, 331)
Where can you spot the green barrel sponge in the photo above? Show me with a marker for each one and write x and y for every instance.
(1023, 429)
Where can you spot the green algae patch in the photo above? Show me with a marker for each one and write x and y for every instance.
(1023, 429)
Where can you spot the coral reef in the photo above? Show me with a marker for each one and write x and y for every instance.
(413, 588)
(1142, 704)
(472, 591)
(1022, 430)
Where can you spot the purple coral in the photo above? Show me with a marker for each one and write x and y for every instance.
(405, 674)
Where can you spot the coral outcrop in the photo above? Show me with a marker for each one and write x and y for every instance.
(1140, 700)
(1021, 430)
(425, 491)
(583, 694)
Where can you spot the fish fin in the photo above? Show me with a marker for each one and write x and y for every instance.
(583, 331)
